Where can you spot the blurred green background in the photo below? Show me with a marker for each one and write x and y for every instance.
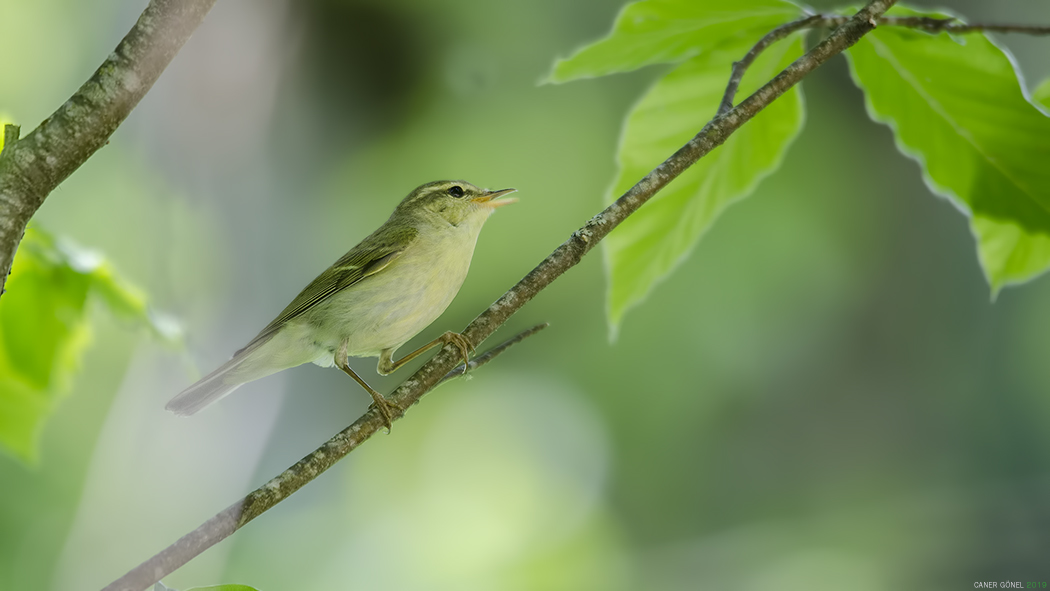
(821, 397)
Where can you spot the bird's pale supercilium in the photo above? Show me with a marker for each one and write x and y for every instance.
(374, 299)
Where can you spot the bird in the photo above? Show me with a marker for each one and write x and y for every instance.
(371, 301)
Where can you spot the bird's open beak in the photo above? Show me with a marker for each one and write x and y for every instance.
(489, 198)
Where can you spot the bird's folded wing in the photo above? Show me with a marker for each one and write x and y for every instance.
(369, 257)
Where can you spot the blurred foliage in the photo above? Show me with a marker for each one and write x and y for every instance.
(957, 107)
(523, 511)
(44, 328)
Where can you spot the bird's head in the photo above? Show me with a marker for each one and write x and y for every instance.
(455, 202)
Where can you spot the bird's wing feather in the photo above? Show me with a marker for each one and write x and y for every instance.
(369, 257)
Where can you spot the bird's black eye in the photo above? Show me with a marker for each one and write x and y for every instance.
(455, 191)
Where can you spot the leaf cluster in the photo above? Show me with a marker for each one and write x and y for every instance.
(955, 103)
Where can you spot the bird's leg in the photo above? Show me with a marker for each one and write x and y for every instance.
(386, 407)
(388, 366)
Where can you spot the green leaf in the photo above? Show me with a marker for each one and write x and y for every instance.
(4, 120)
(651, 242)
(44, 329)
(670, 31)
(958, 108)
(1009, 254)
(1041, 94)
(163, 587)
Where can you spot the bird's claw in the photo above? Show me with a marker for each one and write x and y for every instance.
(463, 344)
(387, 409)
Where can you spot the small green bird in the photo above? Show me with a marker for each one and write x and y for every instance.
(371, 301)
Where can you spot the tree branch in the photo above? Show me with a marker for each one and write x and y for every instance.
(925, 23)
(561, 260)
(32, 167)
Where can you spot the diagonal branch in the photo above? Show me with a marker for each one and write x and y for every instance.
(32, 167)
(561, 260)
(925, 23)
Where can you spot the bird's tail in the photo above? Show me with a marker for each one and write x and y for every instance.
(208, 389)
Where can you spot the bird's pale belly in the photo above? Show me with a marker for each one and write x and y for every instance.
(387, 309)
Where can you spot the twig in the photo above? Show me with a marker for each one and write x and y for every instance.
(491, 353)
(925, 23)
(950, 25)
(561, 260)
(770, 38)
(32, 167)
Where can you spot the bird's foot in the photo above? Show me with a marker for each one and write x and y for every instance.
(463, 344)
(390, 410)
